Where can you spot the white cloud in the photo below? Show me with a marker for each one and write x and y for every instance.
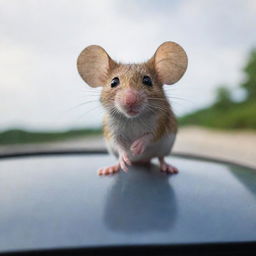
(41, 40)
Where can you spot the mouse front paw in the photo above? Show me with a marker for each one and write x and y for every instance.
(124, 161)
(138, 146)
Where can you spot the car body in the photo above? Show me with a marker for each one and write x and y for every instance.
(53, 203)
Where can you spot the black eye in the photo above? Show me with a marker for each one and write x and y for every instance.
(115, 82)
(147, 81)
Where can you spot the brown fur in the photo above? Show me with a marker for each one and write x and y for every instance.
(131, 75)
(166, 67)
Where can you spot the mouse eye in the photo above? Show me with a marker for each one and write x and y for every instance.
(147, 81)
(115, 82)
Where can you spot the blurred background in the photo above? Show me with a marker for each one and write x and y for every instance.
(45, 105)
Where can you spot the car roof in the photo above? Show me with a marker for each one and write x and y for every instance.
(58, 201)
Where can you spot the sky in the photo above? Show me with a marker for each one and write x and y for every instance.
(40, 88)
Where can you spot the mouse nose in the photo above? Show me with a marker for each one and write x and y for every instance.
(130, 97)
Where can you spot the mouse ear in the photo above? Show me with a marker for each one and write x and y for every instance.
(170, 62)
(93, 65)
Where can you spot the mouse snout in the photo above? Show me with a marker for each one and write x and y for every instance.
(130, 98)
(130, 101)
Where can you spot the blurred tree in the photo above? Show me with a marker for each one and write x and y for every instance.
(228, 112)
(250, 80)
(223, 97)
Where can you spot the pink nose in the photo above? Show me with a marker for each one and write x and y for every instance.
(130, 97)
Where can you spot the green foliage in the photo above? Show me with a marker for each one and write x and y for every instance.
(236, 116)
(20, 136)
(226, 114)
(223, 98)
(250, 76)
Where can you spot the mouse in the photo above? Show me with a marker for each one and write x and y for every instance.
(139, 123)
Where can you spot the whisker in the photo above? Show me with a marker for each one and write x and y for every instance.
(163, 108)
(182, 99)
(90, 110)
(82, 104)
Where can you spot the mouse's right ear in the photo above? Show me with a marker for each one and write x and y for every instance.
(94, 64)
(170, 62)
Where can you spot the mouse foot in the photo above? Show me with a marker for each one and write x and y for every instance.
(109, 170)
(167, 168)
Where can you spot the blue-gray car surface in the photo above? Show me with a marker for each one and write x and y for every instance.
(53, 203)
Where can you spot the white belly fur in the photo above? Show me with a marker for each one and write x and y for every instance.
(159, 148)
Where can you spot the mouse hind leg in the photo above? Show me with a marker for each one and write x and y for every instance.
(167, 168)
(122, 164)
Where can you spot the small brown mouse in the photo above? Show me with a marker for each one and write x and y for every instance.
(139, 123)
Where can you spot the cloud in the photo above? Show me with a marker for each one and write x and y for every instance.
(42, 39)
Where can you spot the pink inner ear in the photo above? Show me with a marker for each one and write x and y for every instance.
(170, 62)
(93, 65)
(169, 73)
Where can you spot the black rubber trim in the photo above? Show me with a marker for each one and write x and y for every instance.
(210, 249)
(103, 151)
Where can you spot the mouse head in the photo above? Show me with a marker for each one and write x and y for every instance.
(132, 89)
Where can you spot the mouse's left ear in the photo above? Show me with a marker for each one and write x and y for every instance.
(170, 62)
